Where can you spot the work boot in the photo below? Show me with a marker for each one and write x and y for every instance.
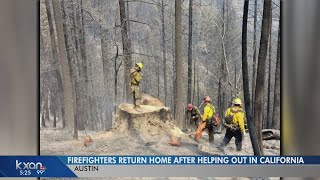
(136, 107)
(138, 101)
(196, 139)
(211, 138)
(134, 103)
(222, 146)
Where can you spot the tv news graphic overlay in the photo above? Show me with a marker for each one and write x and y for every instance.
(33, 166)
(106, 166)
(26, 168)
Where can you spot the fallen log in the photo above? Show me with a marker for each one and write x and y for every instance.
(268, 134)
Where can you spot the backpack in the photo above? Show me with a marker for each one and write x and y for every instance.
(210, 121)
(229, 119)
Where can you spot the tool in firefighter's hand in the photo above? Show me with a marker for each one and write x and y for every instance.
(201, 104)
(231, 127)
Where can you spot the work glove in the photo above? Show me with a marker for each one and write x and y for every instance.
(203, 122)
(226, 126)
(234, 128)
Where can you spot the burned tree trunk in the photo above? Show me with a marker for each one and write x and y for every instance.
(55, 59)
(126, 43)
(269, 117)
(164, 58)
(180, 95)
(246, 90)
(67, 84)
(276, 102)
(254, 69)
(259, 91)
(190, 53)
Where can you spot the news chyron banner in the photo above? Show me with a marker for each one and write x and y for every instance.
(106, 166)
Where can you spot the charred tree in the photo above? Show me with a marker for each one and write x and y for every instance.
(180, 95)
(55, 59)
(126, 43)
(245, 76)
(254, 61)
(268, 119)
(67, 84)
(190, 53)
(261, 73)
(164, 53)
(276, 102)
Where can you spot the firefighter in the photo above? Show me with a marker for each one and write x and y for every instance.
(234, 123)
(207, 120)
(194, 113)
(136, 76)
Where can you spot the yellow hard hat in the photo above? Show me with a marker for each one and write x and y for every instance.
(237, 101)
(140, 65)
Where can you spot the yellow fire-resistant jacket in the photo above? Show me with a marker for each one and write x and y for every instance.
(208, 112)
(238, 117)
(135, 77)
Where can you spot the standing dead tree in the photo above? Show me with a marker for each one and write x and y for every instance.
(245, 76)
(126, 44)
(254, 69)
(180, 95)
(190, 53)
(268, 120)
(67, 84)
(276, 103)
(259, 91)
(55, 60)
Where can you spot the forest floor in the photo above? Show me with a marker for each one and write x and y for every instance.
(60, 142)
(146, 134)
(146, 131)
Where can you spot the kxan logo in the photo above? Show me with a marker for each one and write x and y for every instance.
(26, 167)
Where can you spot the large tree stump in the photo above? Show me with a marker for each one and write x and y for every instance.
(147, 120)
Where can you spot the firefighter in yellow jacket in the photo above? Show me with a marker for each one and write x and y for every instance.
(234, 123)
(207, 120)
(136, 76)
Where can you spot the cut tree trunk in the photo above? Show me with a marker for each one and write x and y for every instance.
(146, 121)
(268, 134)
